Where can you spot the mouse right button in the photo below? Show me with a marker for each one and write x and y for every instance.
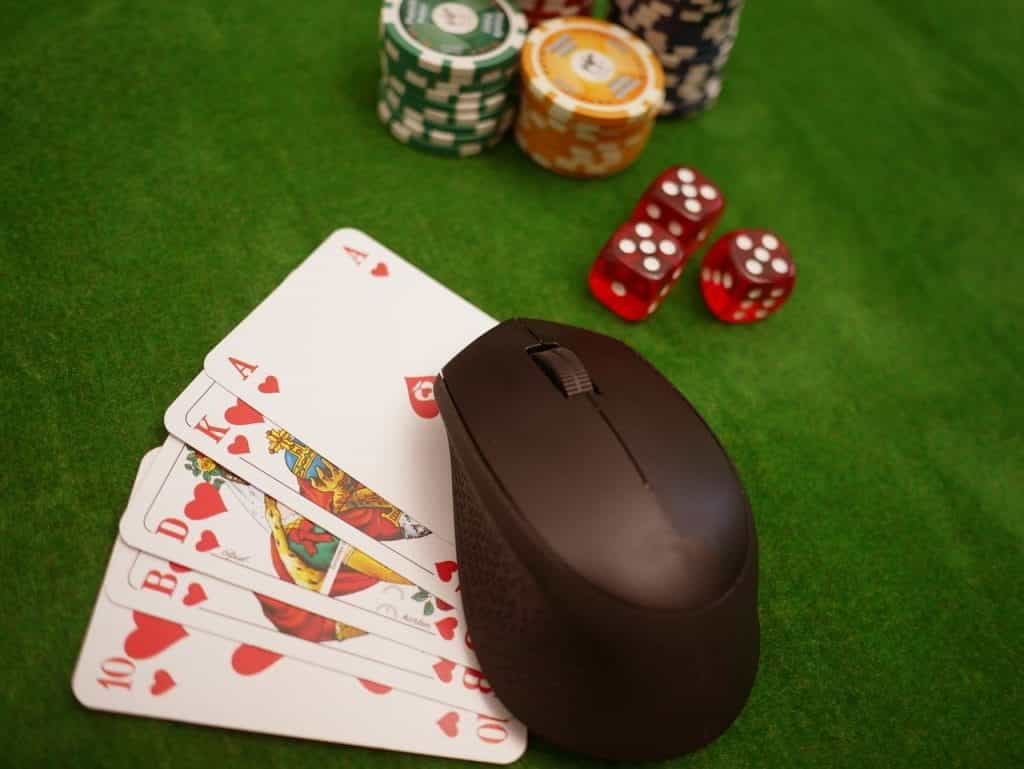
(678, 454)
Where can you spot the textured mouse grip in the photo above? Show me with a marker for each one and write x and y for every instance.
(490, 572)
(486, 566)
(509, 618)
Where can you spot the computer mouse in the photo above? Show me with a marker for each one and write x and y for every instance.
(607, 550)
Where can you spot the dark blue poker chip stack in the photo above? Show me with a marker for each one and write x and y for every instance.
(693, 39)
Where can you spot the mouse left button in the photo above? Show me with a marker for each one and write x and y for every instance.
(564, 368)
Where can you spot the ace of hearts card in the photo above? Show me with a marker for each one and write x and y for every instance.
(344, 354)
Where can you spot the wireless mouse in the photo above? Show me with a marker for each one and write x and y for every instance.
(607, 551)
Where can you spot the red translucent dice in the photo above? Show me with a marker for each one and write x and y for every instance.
(747, 275)
(636, 269)
(685, 202)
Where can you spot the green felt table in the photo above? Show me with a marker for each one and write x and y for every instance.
(164, 165)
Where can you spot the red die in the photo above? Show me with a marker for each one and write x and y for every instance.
(636, 269)
(747, 275)
(685, 202)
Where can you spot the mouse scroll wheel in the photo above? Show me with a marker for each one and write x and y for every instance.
(565, 369)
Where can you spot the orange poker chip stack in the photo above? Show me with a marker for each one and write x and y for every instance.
(591, 92)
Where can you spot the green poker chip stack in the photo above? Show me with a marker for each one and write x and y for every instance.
(448, 72)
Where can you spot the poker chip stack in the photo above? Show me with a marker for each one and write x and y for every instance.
(693, 39)
(538, 11)
(590, 94)
(448, 72)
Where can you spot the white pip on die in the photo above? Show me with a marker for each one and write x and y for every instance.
(686, 203)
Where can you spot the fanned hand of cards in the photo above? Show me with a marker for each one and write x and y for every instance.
(292, 540)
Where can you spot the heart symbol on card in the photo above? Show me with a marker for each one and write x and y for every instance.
(249, 660)
(240, 445)
(444, 669)
(449, 723)
(242, 414)
(151, 636)
(445, 569)
(162, 682)
(177, 567)
(442, 604)
(195, 594)
(269, 385)
(374, 687)
(446, 627)
(421, 396)
(380, 271)
(206, 502)
(207, 541)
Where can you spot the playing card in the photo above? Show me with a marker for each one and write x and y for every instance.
(194, 513)
(243, 441)
(143, 582)
(344, 353)
(137, 663)
(145, 465)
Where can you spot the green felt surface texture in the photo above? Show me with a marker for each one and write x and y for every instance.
(163, 165)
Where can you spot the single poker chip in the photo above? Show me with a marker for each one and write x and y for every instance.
(581, 161)
(495, 80)
(484, 129)
(481, 102)
(426, 130)
(442, 115)
(589, 69)
(462, 41)
(685, 108)
(581, 132)
(473, 124)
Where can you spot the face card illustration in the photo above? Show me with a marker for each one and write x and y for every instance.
(141, 664)
(192, 512)
(344, 353)
(246, 443)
